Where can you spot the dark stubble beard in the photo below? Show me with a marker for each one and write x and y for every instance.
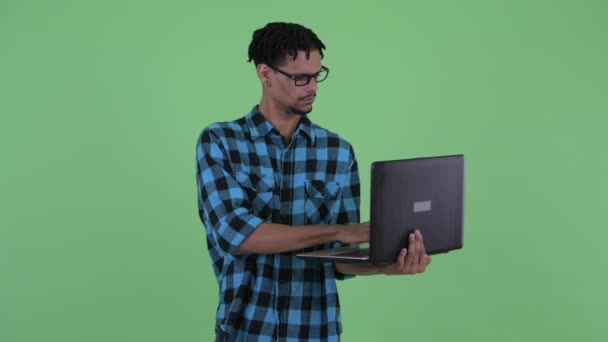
(298, 111)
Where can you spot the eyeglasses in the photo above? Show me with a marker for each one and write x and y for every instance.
(304, 79)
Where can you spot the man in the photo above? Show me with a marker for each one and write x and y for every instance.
(272, 183)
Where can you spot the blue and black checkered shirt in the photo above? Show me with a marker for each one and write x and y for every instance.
(247, 175)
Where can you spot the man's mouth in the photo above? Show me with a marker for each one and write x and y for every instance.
(308, 98)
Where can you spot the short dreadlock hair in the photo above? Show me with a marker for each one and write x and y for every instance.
(274, 42)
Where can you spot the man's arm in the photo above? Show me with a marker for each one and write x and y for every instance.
(277, 238)
(227, 212)
(412, 262)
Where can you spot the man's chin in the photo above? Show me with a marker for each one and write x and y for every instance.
(300, 111)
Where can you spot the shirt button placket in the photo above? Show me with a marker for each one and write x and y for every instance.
(286, 169)
(285, 186)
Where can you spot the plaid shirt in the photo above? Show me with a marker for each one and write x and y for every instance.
(247, 175)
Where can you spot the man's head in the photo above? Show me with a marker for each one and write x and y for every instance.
(288, 62)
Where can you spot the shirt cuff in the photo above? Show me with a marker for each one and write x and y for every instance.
(236, 229)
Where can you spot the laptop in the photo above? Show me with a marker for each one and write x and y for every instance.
(408, 194)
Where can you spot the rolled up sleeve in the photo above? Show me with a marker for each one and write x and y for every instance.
(224, 207)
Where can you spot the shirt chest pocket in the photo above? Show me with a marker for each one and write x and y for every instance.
(322, 201)
(259, 190)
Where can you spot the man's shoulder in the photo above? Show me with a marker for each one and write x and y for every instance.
(326, 136)
(225, 128)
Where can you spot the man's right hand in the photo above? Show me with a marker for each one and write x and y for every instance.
(353, 233)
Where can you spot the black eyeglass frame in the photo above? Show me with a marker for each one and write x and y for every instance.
(306, 77)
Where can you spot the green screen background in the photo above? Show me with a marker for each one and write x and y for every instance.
(101, 103)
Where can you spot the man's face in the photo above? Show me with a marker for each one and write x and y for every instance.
(294, 99)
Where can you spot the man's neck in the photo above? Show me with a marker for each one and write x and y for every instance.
(283, 120)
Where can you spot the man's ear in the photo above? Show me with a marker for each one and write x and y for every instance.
(263, 71)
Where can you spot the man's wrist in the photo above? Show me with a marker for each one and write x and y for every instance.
(386, 269)
(356, 269)
(337, 232)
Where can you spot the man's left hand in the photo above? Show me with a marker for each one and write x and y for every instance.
(411, 260)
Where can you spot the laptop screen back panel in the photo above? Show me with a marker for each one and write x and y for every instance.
(425, 194)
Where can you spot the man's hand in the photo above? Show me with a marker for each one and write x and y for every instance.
(411, 260)
(354, 233)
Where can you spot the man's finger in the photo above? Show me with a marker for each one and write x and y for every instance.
(422, 249)
(421, 252)
(401, 259)
(416, 256)
(412, 252)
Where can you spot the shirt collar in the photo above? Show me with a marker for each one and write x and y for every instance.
(260, 127)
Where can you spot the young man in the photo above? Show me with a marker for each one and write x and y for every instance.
(272, 183)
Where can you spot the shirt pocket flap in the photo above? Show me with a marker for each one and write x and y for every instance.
(320, 189)
(255, 182)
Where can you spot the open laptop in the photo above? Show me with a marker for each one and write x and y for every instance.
(408, 194)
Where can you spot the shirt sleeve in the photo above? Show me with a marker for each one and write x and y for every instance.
(351, 202)
(224, 207)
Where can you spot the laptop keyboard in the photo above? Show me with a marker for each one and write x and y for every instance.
(363, 252)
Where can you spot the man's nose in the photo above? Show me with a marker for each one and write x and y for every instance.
(312, 85)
